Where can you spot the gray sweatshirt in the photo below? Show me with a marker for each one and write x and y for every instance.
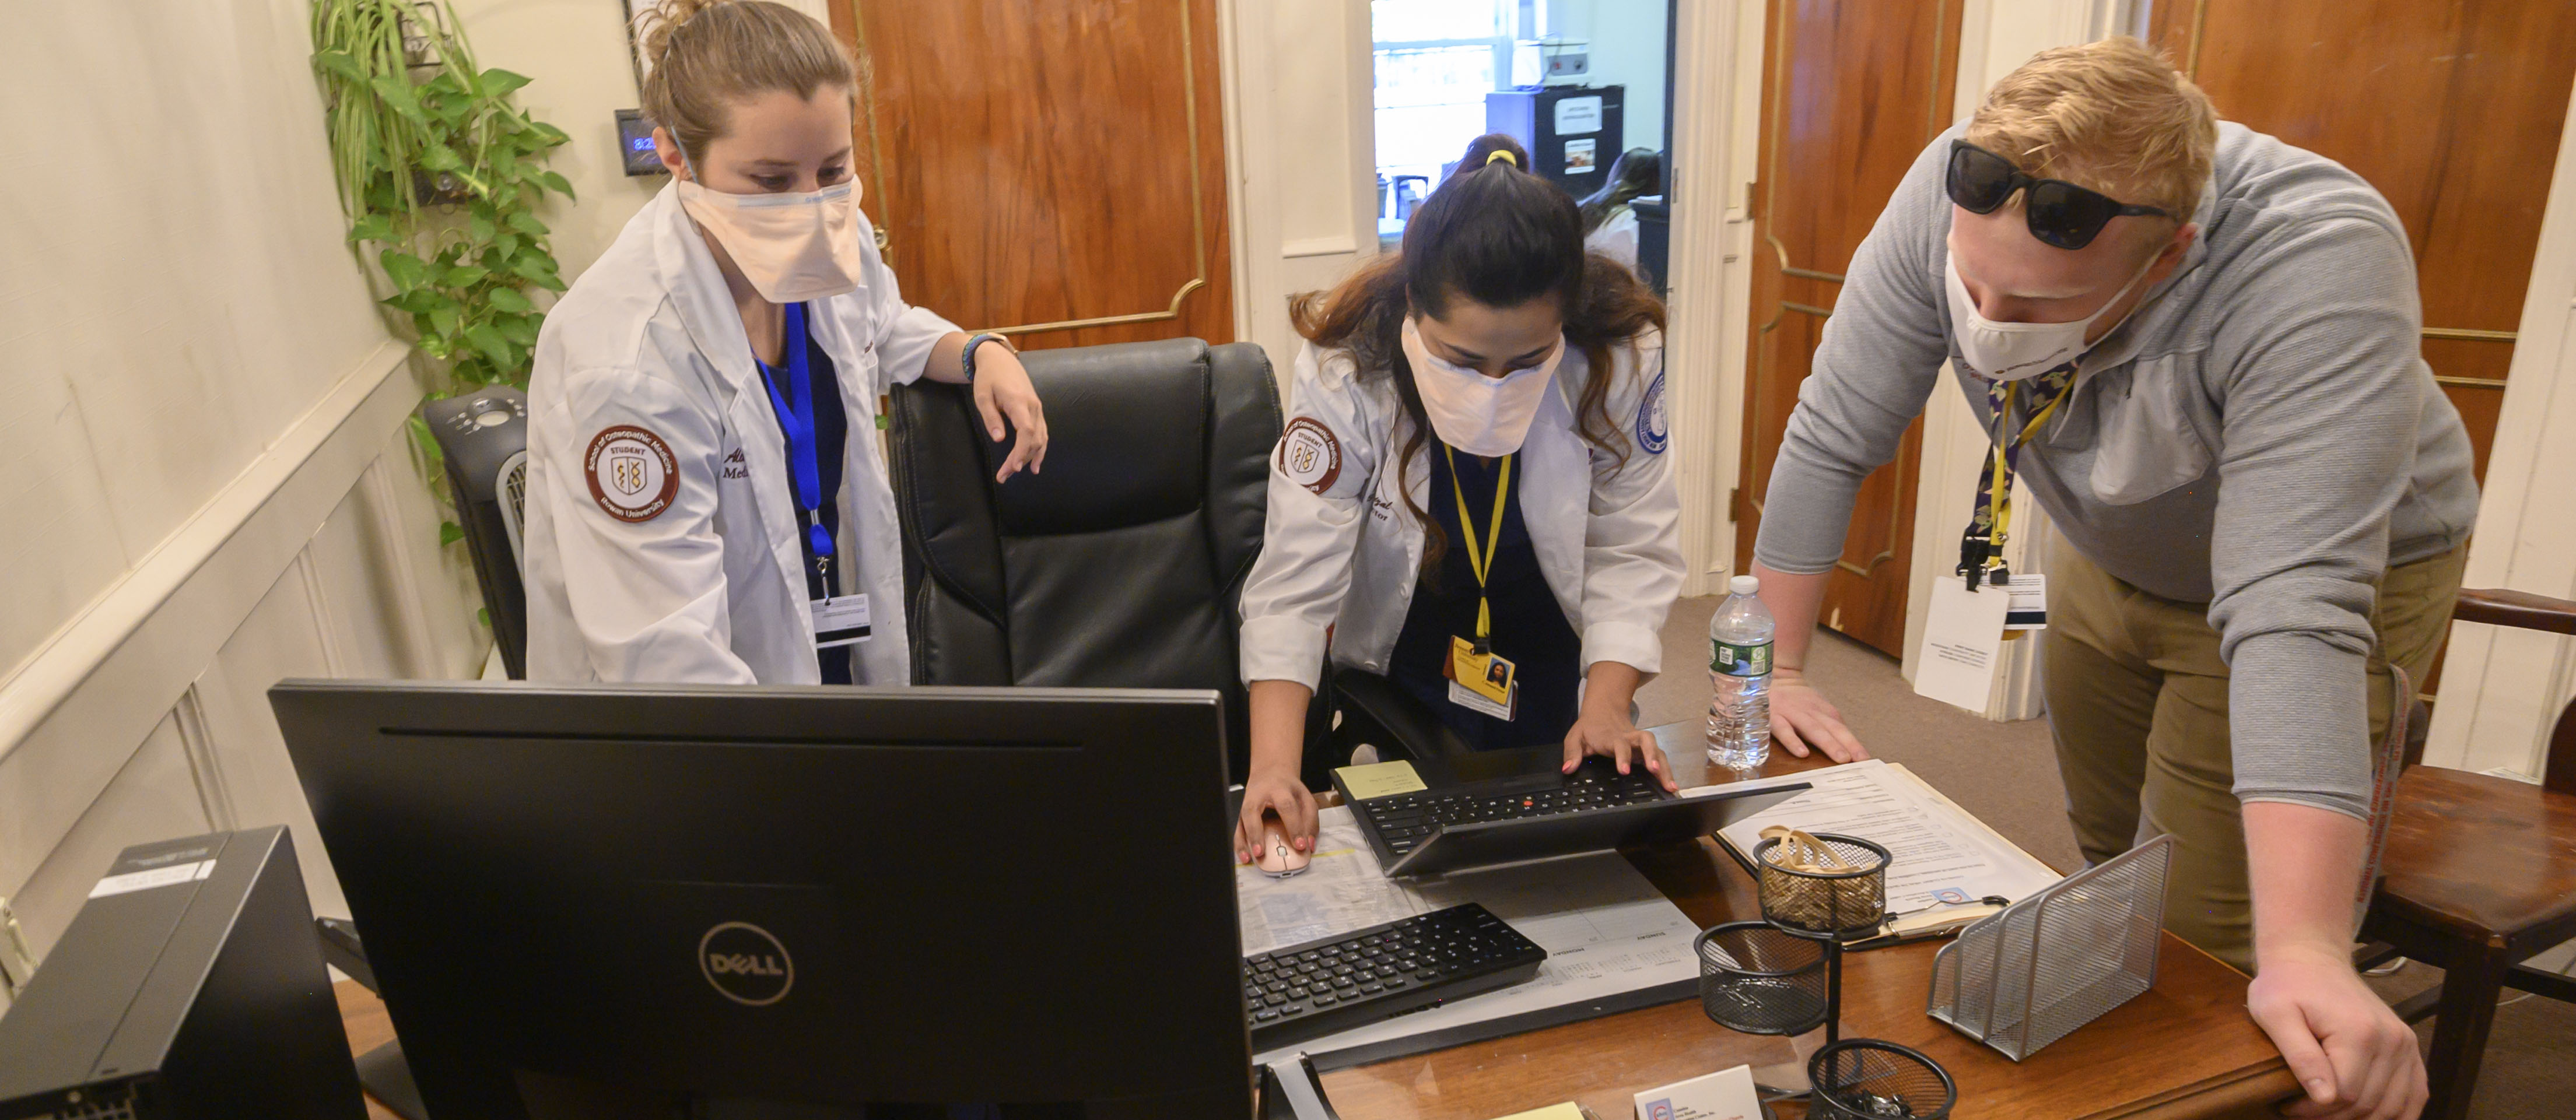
(2262, 436)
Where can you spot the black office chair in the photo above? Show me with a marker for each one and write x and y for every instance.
(1123, 564)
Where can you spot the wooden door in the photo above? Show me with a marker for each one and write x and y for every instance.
(2452, 108)
(1852, 91)
(1052, 171)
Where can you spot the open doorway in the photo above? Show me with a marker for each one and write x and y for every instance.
(1578, 82)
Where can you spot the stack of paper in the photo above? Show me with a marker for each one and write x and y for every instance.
(1613, 941)
(1942, 859)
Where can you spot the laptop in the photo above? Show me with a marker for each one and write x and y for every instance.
(1495, 807)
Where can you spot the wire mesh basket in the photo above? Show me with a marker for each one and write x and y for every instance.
(2026, 977)
(1825, 883)
(1759, 979)
(1863, 1079)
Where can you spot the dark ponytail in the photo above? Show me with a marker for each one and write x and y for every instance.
(1501, 236)
(1637, 172)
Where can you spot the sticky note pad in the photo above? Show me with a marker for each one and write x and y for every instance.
(1379, 779)
(1567, 1111)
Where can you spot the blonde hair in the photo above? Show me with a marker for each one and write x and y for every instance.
(2113, 116)
(703, 55)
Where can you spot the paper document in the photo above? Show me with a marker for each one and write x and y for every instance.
(1607, 931)
(1963, 637)
(1939, 855)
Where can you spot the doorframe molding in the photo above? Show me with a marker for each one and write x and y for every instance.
(2505, 687)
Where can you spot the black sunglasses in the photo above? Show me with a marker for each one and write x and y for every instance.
(2061, 213)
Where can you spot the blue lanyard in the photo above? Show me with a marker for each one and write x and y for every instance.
(804, 465)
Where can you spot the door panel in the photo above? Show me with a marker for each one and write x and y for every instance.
(1852, 91)
(2451, 108)
(1054, 171)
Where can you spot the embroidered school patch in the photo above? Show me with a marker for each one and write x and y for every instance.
(633, 475)
(1654, 426)
(1309, 455)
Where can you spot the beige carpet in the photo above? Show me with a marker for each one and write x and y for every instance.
(2006, 774)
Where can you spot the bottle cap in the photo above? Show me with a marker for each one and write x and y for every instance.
(1744, 585)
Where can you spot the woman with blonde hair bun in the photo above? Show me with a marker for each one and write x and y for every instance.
(704, 502)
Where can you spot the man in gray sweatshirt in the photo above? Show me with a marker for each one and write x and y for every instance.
(2198, 348)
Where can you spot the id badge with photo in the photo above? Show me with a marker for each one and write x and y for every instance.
(1482, 682)
(839, 621)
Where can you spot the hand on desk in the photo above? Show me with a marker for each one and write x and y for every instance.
(2355, 1056)
(1802, 718)
(1612, 736)
(1280, 795)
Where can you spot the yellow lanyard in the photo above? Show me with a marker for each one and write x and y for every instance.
(2003, 471)
(1480, 562)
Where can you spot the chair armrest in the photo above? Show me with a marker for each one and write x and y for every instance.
(2521, 609)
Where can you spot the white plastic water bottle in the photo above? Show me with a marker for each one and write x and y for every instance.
(1739, 678)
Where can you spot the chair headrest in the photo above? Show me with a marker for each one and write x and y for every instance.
(1127, 429)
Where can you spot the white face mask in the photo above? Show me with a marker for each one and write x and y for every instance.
(792, 247)
(1474, 413)
(2015, 351)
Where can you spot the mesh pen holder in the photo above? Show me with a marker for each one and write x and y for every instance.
(1864, 1079)
(1824, 884)
(2028, 976)
(1759, 979)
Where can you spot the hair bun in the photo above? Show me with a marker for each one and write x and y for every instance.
(654, 26)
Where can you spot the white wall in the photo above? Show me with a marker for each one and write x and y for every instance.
(2502, 689)
(1627, 50)
(202, 468)
(1298, 142)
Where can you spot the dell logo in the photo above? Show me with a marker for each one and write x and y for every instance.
(746, 964)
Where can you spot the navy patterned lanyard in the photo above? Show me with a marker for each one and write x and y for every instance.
(1981, 548)
(796, 419)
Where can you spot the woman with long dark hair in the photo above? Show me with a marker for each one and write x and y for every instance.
(1471, 495)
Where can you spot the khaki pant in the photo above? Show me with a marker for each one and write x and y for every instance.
(2137, 701)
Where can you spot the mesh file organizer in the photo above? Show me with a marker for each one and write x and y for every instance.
(2050, 963)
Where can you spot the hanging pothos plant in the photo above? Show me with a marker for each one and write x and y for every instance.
(441, 173)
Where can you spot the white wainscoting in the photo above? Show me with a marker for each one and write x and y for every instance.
(146, 717)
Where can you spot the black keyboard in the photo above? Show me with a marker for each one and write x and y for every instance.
(1312, 990)
(1406, 819)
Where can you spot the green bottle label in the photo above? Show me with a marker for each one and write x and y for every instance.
(1740, 661)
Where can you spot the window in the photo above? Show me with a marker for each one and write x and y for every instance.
(1435, 62)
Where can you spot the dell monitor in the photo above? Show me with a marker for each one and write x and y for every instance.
(807, 902)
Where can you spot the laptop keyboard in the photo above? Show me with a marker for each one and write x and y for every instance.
(1405, 820)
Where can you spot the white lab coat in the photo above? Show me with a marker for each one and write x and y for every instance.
(1340, 554)
(711, 588)
(1617, 238)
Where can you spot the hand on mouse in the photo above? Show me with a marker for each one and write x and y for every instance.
(1280, 795)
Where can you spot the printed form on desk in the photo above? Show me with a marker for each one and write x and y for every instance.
(1613, 941)
(1938, 854)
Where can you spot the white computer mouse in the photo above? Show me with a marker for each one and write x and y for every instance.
(1279, 859)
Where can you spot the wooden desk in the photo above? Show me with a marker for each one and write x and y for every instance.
(2185, 1048)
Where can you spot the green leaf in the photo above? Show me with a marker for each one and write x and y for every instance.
(439, 157)
(508, 300)
(490, 342)
(498, 83)
(397, 95)
(449, 533)
(418, 301)
(341, 63)
(552, 134)
(443, 321)
(373, 227)
(507, 243)
(464, 275)
(527, 223)
(404, 269)
(479, 228)
(484, 616)
(556, 183)
(517, 329)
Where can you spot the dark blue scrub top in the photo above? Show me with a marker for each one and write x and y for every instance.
(1529, 627)
(831, 444)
